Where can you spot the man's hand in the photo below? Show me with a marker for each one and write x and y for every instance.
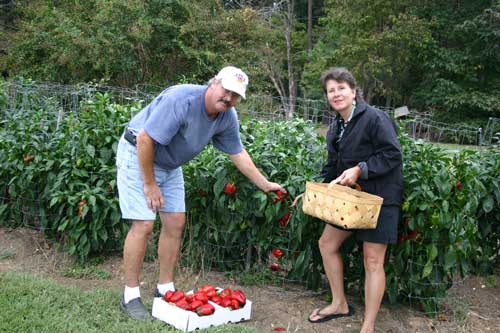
(349, 176)
(271, 187)
(154, 198)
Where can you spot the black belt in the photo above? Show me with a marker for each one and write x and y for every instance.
(130, 137)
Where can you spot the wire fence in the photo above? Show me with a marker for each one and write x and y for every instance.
(492, 132)
(21, 96)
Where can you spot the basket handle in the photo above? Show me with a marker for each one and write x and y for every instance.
(296, 199)
(335, 181)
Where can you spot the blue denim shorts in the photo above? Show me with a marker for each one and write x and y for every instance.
(130, 184)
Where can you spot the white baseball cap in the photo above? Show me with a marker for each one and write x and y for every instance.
(234, 79)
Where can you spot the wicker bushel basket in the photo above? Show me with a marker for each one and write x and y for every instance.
(342, 205)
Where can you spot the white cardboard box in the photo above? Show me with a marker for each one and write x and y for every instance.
(188, 321)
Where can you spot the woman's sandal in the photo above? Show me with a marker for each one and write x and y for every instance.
(325, 317)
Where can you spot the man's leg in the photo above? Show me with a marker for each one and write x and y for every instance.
(134, 250)
(133, 257)
(374, 255)
(172, 226)
(329, 244)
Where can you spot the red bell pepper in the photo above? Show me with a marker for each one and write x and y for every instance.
(201, 296)
(226, 292)
(277, 253)
(205, 310)
(189, 298)
(279, 196)
(168, 295)
(206, 288)
(195, 305)
(283, 221)
(216, 299)
(239, 296)
(225, 302)
(235, 305)
(177, 296)
(413, 234)
(230, 188)
(183, 304)
(211, 293)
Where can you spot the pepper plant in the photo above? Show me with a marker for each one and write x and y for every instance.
(57, 174)
(245, 226)
(447, 196)
(58, 171)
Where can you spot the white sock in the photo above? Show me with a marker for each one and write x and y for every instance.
(163, 288)
(131, 293)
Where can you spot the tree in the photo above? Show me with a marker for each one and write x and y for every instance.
(428, 54)
(309, 26)
(380, 43)
(122, 42)
(133, 42)
(283, 55)
(462, 78)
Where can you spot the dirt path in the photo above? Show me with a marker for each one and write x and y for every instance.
(285, 306)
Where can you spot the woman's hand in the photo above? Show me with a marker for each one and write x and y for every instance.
(349, 176)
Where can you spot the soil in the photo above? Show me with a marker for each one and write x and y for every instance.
(286, 306)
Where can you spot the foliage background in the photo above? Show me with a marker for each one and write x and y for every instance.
(58, 175)
(432, 56)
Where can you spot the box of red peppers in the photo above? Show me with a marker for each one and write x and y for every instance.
(205, 307)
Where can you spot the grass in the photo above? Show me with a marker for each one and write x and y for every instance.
(34, 304)
(491, 281)
(252, 278)
(7, 254)
(87, 272)
(456, 147)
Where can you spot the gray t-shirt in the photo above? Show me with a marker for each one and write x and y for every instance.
(178, 123)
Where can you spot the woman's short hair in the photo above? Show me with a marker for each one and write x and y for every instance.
(339, 74)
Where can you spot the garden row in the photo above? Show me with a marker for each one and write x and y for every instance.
(58, 174)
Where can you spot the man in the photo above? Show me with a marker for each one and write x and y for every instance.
(167, 133)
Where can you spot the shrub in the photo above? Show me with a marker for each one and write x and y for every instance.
(58, 174)
(244, 227)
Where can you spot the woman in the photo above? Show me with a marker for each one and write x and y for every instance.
(362, 148)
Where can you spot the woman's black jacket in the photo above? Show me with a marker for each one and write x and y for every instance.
(371, 137)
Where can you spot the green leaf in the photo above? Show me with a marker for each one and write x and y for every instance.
(262, 201)
(427, 269)
(450, 258)
(488, 204)
(445, 206)
(432, 252)
(90, 150)
(423, 206)
(496, 189)
(63, 225)
(300, 258)
(72, 249)
(92, 200)
(259, 195)
(219, 185)
(53, 201)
